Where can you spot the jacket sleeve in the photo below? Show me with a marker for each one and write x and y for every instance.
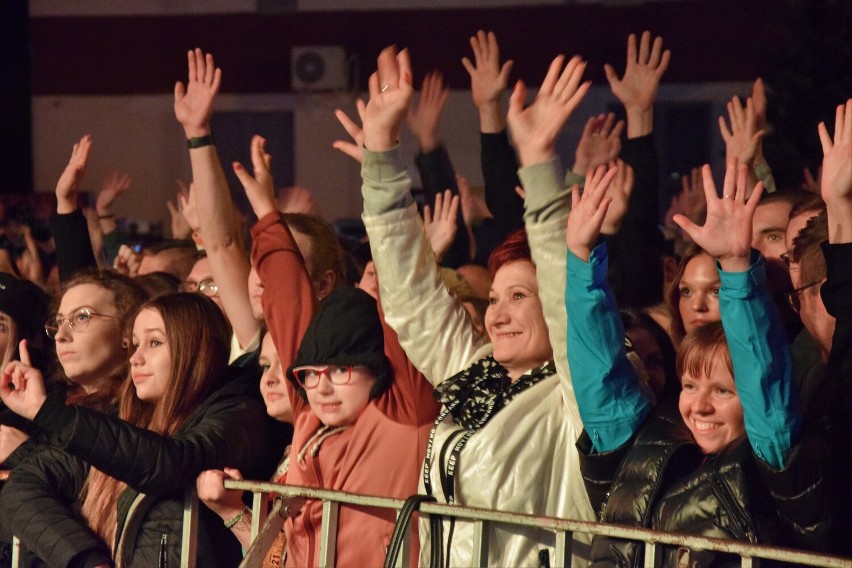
(611, 403)
(73, 244)
(227, 432)
(547, 205)
(433, 327)
(499, 170)
(761, 360)
(409, 397)
(37, 503)
(638, 246)
(288, 296)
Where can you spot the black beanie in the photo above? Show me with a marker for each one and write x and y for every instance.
(346, 330)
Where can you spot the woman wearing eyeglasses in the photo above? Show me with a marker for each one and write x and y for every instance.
(182, 411)
(361, 412)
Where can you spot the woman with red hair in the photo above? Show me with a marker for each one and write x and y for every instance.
(505, 436)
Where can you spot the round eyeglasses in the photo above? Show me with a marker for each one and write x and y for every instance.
(78, 321)
(206, 287)
(308, 376)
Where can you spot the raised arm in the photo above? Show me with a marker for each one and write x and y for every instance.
(755, 336)
(611, 402)
(836, 182)
(69, 226)
(433, 161)
(639, 246)
(535, 130)
(288, 296)
(743, 139)
(219, 225)
(638, 87)
(488, 81)
(433, 327)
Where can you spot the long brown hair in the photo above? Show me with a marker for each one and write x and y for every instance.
(672, 298)
(198, 337)
(127, 296)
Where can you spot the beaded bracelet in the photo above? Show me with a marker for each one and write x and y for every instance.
(237, 518)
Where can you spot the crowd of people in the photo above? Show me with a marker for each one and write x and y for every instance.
(541, 347)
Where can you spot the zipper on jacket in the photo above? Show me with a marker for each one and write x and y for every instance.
(615, 476)
(735, 512)
(649, 512)
(163, 560)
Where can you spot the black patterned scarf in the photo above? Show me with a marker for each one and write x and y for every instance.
(476, 394)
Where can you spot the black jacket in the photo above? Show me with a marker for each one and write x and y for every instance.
(832, 404)
(661, 480)
(39, 500)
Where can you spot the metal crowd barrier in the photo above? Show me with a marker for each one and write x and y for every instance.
(266, 526)
(293, 496)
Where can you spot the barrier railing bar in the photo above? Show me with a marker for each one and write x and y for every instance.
(313, 493)
(556, 525)
(651, 555)
(480, 544)
(328, 533)
(189, 535)
(258, 514)
(17, 560)
(563, 549)
(746, 561)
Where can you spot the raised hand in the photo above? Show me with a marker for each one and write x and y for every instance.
(22, 386)
(441, 228)
(726, 234)
(179, 224)
(424, 117)
(599, 144)
(473, 206)
(391, 91)
(127, 261)
(68, 185)
(535, 129)
(588, 211)
(690, 202)
(836, 181)
(742, 139)
(113, 185)
(354, 151)
(488, 80)
(194, 101)
(638, 87)
(186, 198)
(620, 191)
(259, 189)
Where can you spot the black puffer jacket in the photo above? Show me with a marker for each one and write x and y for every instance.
(661, 480)
(39, 500)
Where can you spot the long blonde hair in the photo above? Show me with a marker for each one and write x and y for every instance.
(198, 337)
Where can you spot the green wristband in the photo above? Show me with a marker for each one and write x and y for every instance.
(200, 141)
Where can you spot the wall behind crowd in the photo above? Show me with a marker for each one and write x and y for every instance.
(112, 76)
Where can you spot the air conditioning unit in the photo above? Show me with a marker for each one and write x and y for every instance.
(318, 68)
